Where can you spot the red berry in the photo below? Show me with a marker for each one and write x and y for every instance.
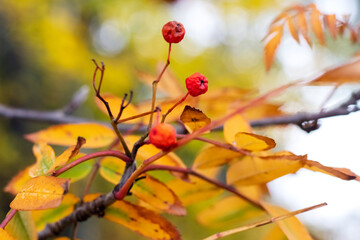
(196, 84)
(163, 136)
(173, 32)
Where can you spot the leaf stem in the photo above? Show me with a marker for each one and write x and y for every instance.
(8, 217)
(262, 222)
(112, 153)
(172, 108)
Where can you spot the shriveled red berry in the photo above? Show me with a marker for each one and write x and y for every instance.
(196, 84)
(163, 136)
(173, 32)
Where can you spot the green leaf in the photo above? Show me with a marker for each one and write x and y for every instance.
(22, 226)
(78, 172)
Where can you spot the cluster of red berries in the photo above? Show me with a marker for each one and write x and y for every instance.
(163, 136)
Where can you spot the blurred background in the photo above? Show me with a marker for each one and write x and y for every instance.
(46, 49)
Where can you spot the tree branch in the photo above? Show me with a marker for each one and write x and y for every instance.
(60, 116)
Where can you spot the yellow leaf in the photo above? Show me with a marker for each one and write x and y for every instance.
(96, 135)
(158, 195)
(255, 170)
(316, 25)
(346, 73)
(273, 41)
(22, 226)
(17, 182)
(67, 155)
(111, 169)
(5, 235)
(275, 234)
(292, 227)
(114, 104)
(43, 217)
(229, 211)
(330, 21)
(234, 125)
(41, 193)
(194, 119)
(45, 158)
(293, 31)
(194, 192)
(139, 219)
(253, 142)
(213, 156)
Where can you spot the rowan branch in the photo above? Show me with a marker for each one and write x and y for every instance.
(299, 119)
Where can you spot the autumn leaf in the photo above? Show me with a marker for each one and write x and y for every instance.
(229, 211)
(45, 158)
(253, 142)
(67, 155)
(96, 135)
(41, 193)
(293, 31)
(5, 235)
(213, 156)
(114, 104)
(111, 169)
(139, 219)
(194, 192)
(43, 217)
(17, 182)
(330, 22)
(346, 73)
(234, 125)
(79, 171)
(272, 42)
(22, 226)
(316, 24)
(292, 227)
(341, 173)
(194, 119)
(255, 170)
(302, 25)
(158, 195)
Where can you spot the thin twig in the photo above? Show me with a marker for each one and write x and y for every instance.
(175, 105)
(262, 222)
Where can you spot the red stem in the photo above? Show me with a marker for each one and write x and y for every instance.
(8, 217)
(112, 153)
(175, 105)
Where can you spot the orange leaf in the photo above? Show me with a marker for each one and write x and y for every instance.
(330, 21)
(139, 219)
(17, 182)
(213, 156)
(316, 25)
(41, 193)
(43, 217)
(292, 29)
(67, 155)
(158, 195)
(45, 158)
(346, 73)
(114, 104)
(194, 119)
(5, 235)
(234, 125)
(302, 25)
(255, 170)
(253, 142)
(341, 173)
(273, 41)
(292, 227)
(96, 135)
